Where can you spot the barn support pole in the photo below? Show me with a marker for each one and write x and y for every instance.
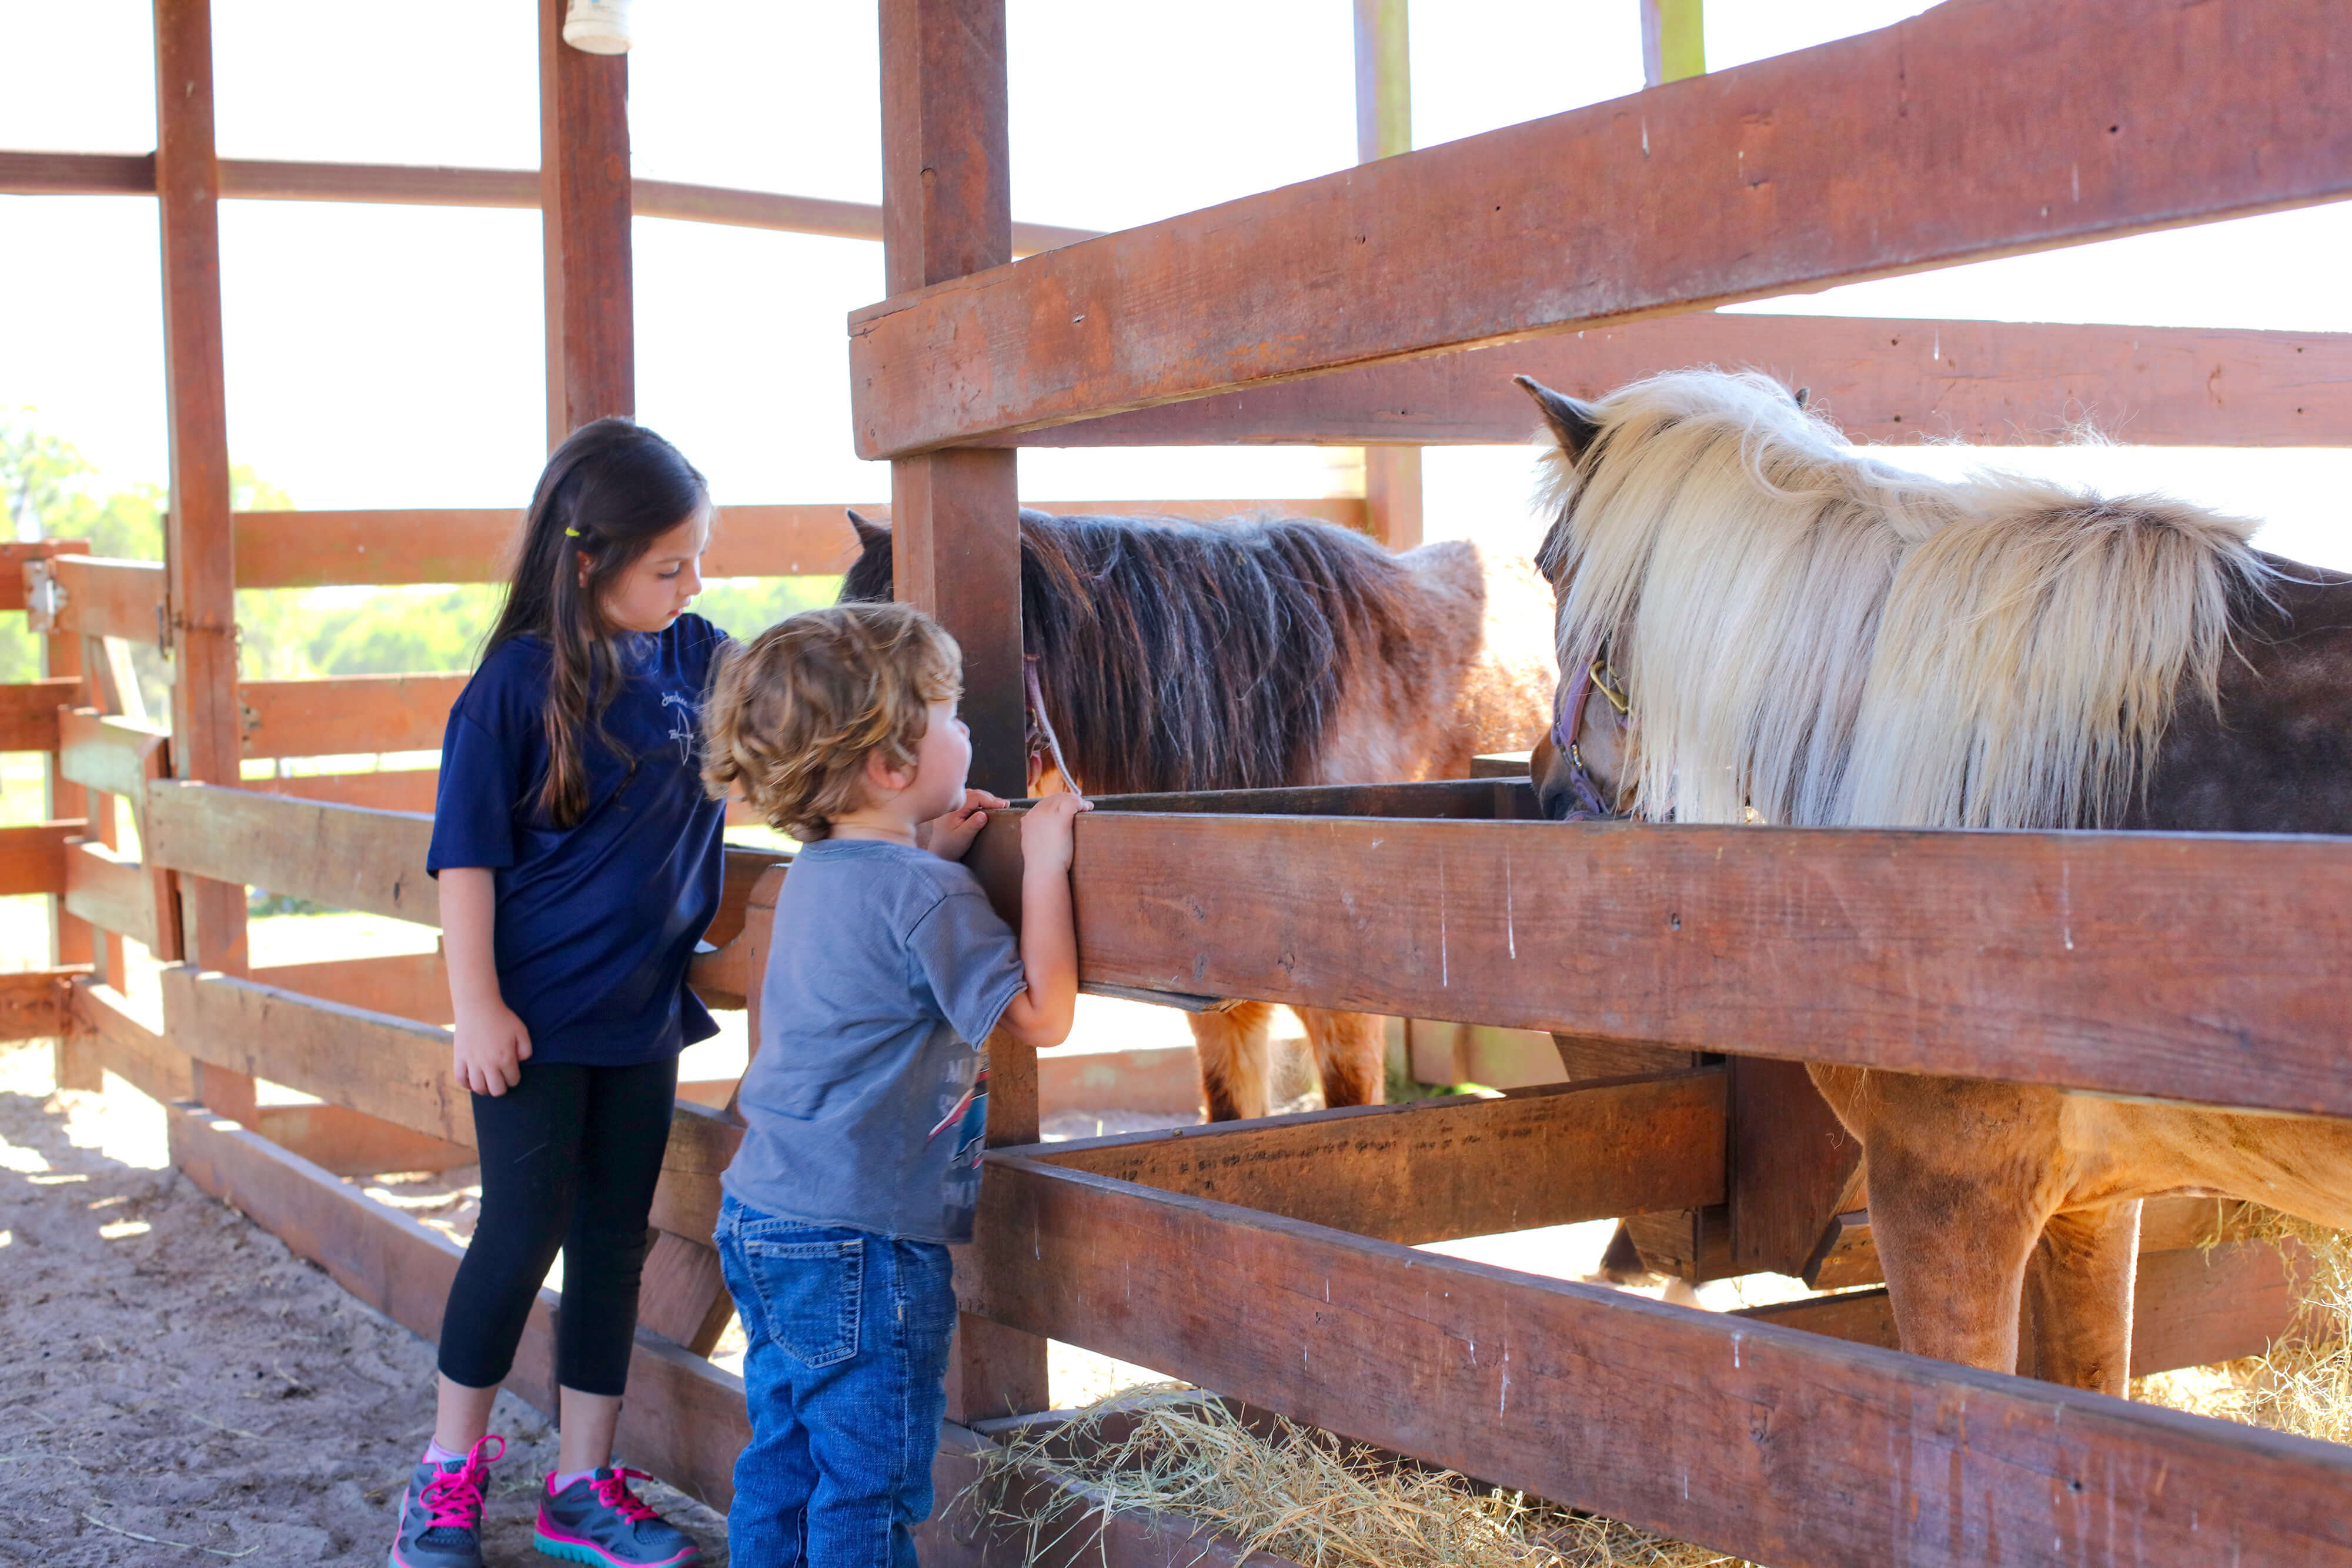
(1383, 130)
(947, 210)
(584, 205)
(198, 537)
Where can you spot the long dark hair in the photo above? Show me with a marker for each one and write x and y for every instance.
(607, 493)
(1180, 656)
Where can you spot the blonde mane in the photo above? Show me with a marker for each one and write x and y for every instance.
(1811, 636)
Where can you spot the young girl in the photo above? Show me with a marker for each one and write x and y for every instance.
(579, 861)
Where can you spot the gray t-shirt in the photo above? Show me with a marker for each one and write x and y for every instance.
(866, 1100)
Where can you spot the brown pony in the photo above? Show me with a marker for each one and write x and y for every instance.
(1175, 656)
(1797, 634)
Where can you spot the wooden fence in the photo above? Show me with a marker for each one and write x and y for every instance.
(1275, 1260)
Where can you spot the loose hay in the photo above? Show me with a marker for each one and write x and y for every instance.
(2304, 1386)
(1298, 1493)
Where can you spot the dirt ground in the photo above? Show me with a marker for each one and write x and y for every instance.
(176, 1389)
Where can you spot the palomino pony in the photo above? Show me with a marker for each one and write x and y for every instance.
(1777, 629)
(1174, 656)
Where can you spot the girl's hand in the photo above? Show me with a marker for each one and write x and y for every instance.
(492, 1045)
(1046, 833)
(949, 836)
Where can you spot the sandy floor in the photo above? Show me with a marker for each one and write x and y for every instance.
(176, 1389)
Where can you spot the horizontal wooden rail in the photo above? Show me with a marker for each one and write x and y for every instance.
(118, 1032)
(121, 896)
(252, 179)
(2023, 957)
(33, 856)
(97, 597)
(28, 712)
(313, 549)
(339, 856)
(1966, 132)
(1704, 1427)
(1438, 1169)
(345, 713)
(1995, 383)
(392, 789)
(108, 752)
(413, 986)
(683, 1417)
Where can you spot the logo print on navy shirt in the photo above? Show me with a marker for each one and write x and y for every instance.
(681, 724)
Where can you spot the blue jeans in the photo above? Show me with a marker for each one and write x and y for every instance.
(846, 1381)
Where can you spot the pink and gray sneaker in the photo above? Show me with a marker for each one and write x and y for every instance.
(441, 1511)
(597, 1519)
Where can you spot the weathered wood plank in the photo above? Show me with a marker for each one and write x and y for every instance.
(683, 1297)
(2013, 955)
(584, 197)
(394, 1069)
(119, 896)
(339, 856)
(352, 1142)
(685, 1418)
(405, 984)
(409, 789)
(1466, 799)
(37, 1004)
(33, 856)
(28, 712)
(1437, 1169)
(345, 713)
(92, 596)
(1966, 132)
(1994, 383)
(105, 751)
(1707, 1427)
(115, 1030)
(316, 550)
(1792, 1162)
(701, 1143)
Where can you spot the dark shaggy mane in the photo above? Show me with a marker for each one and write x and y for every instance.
(1182, 656)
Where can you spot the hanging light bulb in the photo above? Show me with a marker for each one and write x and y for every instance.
(599, 26)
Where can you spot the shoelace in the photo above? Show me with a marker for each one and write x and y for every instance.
(455, 1497)
(613, 1492)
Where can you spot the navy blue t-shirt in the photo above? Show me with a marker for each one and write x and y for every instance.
(596, 922)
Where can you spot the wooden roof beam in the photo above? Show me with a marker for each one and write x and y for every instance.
(1964, 133)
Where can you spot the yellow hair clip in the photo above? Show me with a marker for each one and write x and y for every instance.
(571, 533)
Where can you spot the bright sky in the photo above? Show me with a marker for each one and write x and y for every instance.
(383, 356)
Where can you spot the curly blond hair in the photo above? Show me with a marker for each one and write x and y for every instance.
(794, 715)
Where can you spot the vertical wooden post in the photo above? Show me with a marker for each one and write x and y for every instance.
(198, 536)
(584, 196)
(947, 210)
(1383, 130)
(1674, 40)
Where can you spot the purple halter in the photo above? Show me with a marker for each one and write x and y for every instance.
(1568, 725)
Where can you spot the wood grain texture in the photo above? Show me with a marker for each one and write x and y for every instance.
(105, 598)
(353, 1143)
(1790, 1161)
(345, 713)
(2014, 955)
(1969, 131)
(1994, 383)
(684, 1419)
(33, 856)
(1703, 1426)
(339, 856)
(392, 1068)
(584, 199)
(409, 789)
(683, 1295)
(128, 1042)
(407, 985)
(37, 1004)
(118, 754)
(121, 896)
(1432, 1170)
(28, 712)
(16, 554)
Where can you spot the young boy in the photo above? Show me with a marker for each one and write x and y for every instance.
(867, 1096)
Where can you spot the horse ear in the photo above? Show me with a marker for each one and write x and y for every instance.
(1573, 424)
(1802, 393)
(869, 534)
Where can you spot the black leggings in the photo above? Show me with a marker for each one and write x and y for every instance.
(569, 1156)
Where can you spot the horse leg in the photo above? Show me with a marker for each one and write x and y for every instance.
(1351, 1055)
(1954, 1245)
(2078, 1295)
(1231, 1046)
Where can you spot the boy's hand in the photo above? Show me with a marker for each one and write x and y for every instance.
(949, 836)
(491, 1046)
(1046, 833)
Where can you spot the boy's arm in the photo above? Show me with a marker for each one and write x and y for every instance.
(1041, 1014)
